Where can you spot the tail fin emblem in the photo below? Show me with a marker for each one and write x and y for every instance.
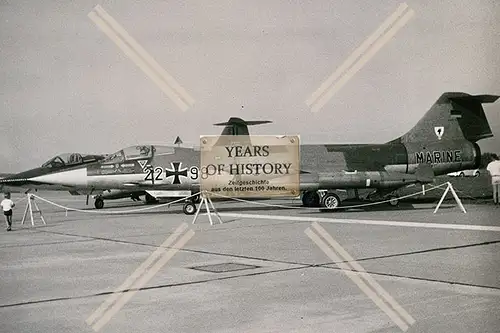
(439, 130)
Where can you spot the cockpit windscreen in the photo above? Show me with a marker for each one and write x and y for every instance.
(64, 160)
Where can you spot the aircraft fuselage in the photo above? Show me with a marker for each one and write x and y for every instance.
(325, 166)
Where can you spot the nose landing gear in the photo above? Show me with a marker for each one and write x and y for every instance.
(189, 208)
(98, 203)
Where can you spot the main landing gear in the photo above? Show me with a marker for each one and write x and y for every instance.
(329, 200)
(310, 199)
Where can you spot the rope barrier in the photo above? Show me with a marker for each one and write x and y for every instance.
(233, 199)
(340, 207)
(114, 212)
(470, 197)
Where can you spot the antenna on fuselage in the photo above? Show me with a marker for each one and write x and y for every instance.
(178, 141)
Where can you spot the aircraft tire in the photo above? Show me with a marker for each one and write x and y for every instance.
(310, 199)
(189, 208)
(394, 202)
(330, 201)
(99, 203)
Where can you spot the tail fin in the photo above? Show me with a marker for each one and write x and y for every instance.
(454, 116)
(237, 126)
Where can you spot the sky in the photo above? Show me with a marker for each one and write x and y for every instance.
(66, 87)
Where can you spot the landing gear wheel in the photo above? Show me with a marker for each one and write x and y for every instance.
(99, 203)
(330, 201)
(310, 199)
(189, 208)
(393, 201)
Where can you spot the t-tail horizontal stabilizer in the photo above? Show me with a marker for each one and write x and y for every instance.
(454, 116)
(239, 127)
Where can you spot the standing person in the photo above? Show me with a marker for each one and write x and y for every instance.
(494, 170)
(7, 206)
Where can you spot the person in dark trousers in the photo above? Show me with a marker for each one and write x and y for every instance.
(7, 206)
(494, 170)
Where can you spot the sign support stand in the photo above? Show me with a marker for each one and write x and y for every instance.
(29, 206)
(206, 201)
(457, 199)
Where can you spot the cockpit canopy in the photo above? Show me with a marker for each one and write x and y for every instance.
(130, 153)
(68, 159)
(138, 153)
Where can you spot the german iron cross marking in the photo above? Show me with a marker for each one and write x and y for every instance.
(176, 172)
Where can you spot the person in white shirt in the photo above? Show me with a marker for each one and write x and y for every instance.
(494, 170)
(7, 206)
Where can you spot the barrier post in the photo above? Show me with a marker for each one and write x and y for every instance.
(450, 188)
(206, 201)
(29, 207)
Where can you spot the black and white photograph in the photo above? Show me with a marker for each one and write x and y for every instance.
(250, 166)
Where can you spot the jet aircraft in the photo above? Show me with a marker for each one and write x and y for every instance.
(444, 140)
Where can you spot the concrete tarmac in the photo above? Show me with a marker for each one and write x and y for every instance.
(259, 271)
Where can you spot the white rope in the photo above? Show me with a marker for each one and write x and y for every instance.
(113, 212)
(340, 207)
(231, 198)
(466, 195)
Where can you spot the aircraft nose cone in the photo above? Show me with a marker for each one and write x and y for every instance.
(17, 179)
(76, 177)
